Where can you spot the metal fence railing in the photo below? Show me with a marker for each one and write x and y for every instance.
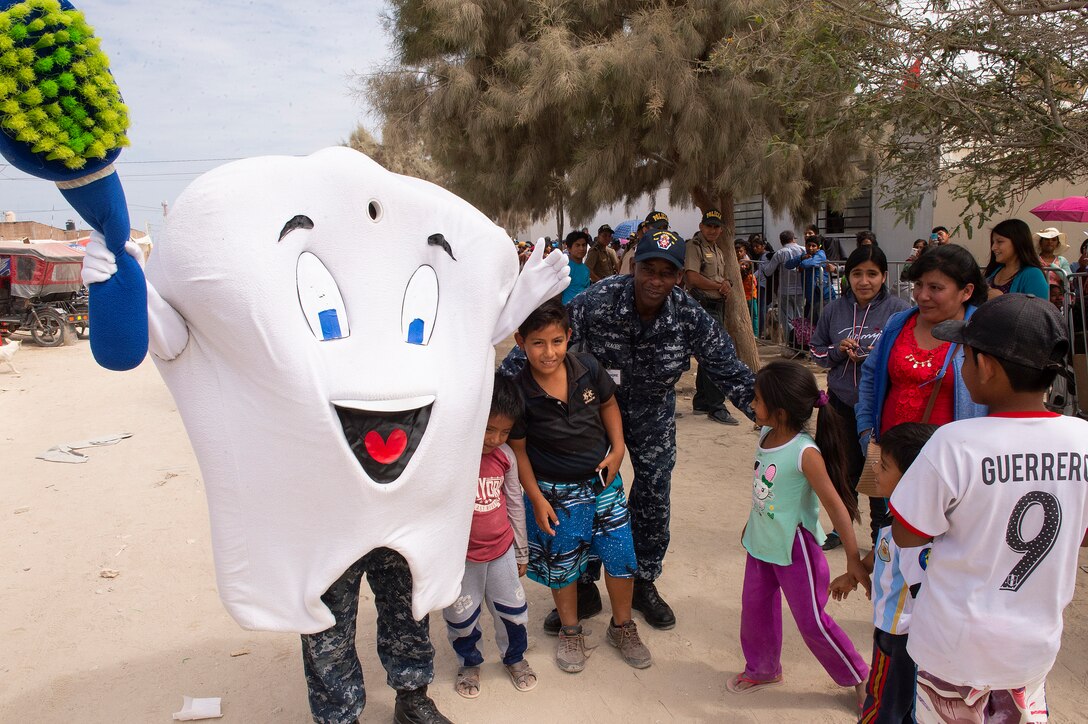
(789, 319)
(1069, 394)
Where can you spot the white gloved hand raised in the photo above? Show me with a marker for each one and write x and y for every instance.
(167, 333)
(100, 264)
(540, 279)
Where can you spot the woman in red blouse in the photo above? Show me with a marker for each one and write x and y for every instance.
(909, 363)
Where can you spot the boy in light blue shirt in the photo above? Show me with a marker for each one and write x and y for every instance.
(577, 248)
(897, 575)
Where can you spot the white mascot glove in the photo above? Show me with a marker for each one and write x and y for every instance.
(540, 280)
(167, 333)
(100, 264)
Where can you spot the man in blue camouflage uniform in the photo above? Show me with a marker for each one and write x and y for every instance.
(644, 330)
(334, 675)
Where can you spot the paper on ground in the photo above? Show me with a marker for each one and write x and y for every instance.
(65, 452)
(99, 441)
(62, 454)
(192, 709)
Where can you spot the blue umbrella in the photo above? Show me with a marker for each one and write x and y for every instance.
(624, 228)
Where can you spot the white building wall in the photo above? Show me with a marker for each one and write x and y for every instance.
(896, 239)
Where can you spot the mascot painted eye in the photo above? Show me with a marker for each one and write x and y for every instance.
(420, 306)
(321, 300)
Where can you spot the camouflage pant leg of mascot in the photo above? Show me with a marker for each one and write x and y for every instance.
(334, 675)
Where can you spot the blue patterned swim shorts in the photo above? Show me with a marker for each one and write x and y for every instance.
(588, 524)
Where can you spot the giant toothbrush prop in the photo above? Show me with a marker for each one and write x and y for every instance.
(62, 119)
(326, 328)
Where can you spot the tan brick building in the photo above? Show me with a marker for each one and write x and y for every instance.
(19, 230)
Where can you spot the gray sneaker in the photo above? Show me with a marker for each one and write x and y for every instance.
(573, 652)
(626, 639)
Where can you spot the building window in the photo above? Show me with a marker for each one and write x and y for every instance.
(856, 216)
(748, 216)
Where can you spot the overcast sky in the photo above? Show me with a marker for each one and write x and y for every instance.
(218, 80)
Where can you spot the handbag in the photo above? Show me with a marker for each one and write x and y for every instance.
(867, 482)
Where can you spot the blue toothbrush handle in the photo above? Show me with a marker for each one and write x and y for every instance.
(118, 306)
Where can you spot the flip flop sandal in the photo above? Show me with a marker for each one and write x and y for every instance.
(522, 675)
(741, 684)
(468, 682)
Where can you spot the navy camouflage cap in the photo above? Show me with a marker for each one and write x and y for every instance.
(660, 244)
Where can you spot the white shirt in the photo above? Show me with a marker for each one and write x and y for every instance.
(1005, 498)
(895, 571)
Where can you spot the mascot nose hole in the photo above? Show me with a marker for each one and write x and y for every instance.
(374, 210)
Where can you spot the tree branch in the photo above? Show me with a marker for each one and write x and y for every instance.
(1043, 8)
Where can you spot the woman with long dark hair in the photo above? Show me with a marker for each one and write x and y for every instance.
(1014, 265)
(911, 376)
(845, 334)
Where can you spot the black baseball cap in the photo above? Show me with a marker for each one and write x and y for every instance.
(660, 244)
(657, 220)
(712, 217)
(604, 228)
(1018, 328)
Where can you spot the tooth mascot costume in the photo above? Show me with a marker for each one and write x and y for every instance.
(326, 328)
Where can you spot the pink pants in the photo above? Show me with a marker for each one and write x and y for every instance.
(804, 584)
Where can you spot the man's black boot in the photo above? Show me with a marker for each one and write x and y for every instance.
(415, 707)
(653, 608)
(589, 604)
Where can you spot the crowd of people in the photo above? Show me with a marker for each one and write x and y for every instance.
(938, 400)
(934, 412)
(788, 289)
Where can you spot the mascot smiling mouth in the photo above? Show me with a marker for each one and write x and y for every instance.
(384, 435)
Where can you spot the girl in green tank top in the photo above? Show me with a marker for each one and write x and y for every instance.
(792, 478)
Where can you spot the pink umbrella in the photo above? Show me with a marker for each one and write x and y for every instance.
(1071, 208)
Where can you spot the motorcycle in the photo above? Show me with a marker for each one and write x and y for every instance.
(41, 292)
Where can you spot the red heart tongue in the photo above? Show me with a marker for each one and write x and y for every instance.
(385, 451)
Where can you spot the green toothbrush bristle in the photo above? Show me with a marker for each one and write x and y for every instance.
(56, 92)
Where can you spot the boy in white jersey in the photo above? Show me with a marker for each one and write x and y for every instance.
(1004, 499)
(889, 692)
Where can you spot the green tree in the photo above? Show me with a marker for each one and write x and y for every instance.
(984, 97)
(402, 151)
(397, 152)
(526, 105)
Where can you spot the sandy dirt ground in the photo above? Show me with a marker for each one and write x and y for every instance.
(78, 647)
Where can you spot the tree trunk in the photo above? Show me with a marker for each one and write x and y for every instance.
(738, 322)
(559, 217)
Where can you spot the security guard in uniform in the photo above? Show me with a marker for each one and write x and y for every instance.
(644, 330)
(704, 278)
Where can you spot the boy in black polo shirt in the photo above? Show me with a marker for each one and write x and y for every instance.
(569, 450)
